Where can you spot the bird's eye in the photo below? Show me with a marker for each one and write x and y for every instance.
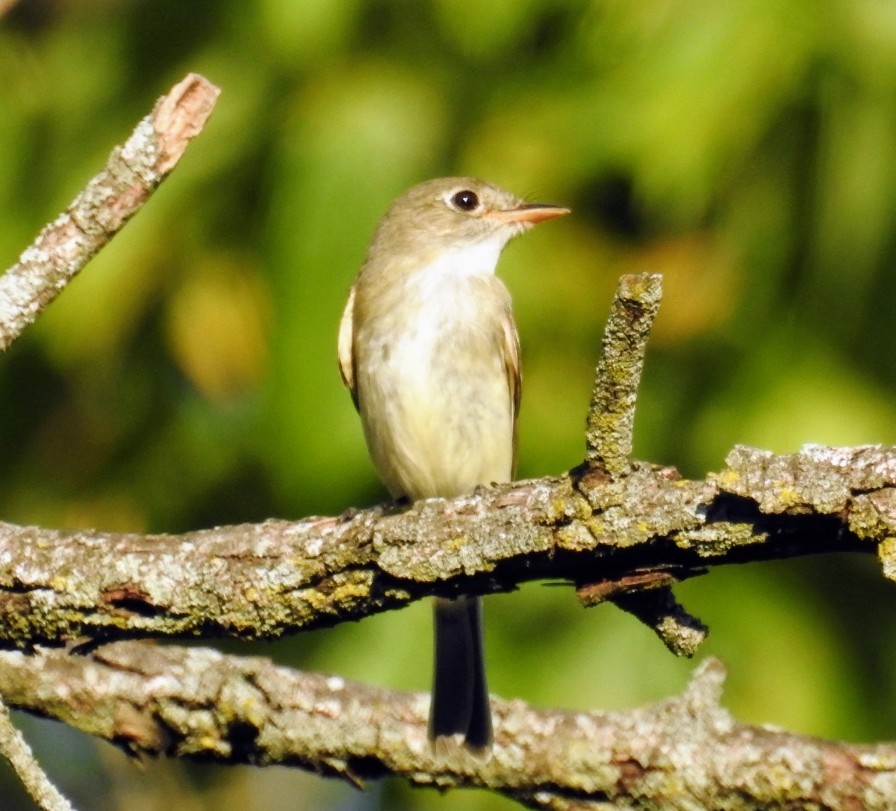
(465, 200)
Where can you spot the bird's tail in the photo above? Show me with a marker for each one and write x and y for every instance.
(460, 704)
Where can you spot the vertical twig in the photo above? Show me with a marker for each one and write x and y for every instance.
(609, 431)
(610, 422)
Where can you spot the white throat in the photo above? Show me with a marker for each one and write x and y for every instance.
(476, 259)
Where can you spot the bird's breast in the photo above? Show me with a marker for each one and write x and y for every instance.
(432, 386)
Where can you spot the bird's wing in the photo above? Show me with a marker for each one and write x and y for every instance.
(345, 346)
(510, 350)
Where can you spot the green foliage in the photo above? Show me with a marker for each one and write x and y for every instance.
(745, 150)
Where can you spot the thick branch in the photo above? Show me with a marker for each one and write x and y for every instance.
(611, 537)
(680, 753)
(132, 173)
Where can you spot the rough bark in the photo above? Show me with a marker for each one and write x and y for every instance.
(609, 537)
(680, 753)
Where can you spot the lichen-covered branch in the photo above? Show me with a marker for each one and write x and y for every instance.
(609, 437)
(609, 429)
(610, 537)
(681, 753)
(133, 171)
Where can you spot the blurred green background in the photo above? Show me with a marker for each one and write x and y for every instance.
(746, 150)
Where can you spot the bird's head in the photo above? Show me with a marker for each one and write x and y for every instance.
(457, 212)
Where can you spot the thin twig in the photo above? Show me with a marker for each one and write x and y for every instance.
(132, 172)
(14, 748)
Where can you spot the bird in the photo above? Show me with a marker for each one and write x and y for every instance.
(429, 351)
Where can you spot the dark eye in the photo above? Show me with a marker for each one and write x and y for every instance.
(465, 200)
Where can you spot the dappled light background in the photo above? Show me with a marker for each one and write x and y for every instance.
(746, 151)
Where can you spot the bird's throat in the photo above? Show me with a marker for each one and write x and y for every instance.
(472, 259)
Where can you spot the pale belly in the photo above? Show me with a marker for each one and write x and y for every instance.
(436, 408)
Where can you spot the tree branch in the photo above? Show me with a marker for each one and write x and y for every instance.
(609, 429)
(609, 537)
(680, 753)
(132, 173)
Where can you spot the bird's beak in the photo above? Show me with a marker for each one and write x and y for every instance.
(530, 213)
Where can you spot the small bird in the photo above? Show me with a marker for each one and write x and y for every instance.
(429, 351)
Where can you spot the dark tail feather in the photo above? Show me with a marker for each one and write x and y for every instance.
(460, 702)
